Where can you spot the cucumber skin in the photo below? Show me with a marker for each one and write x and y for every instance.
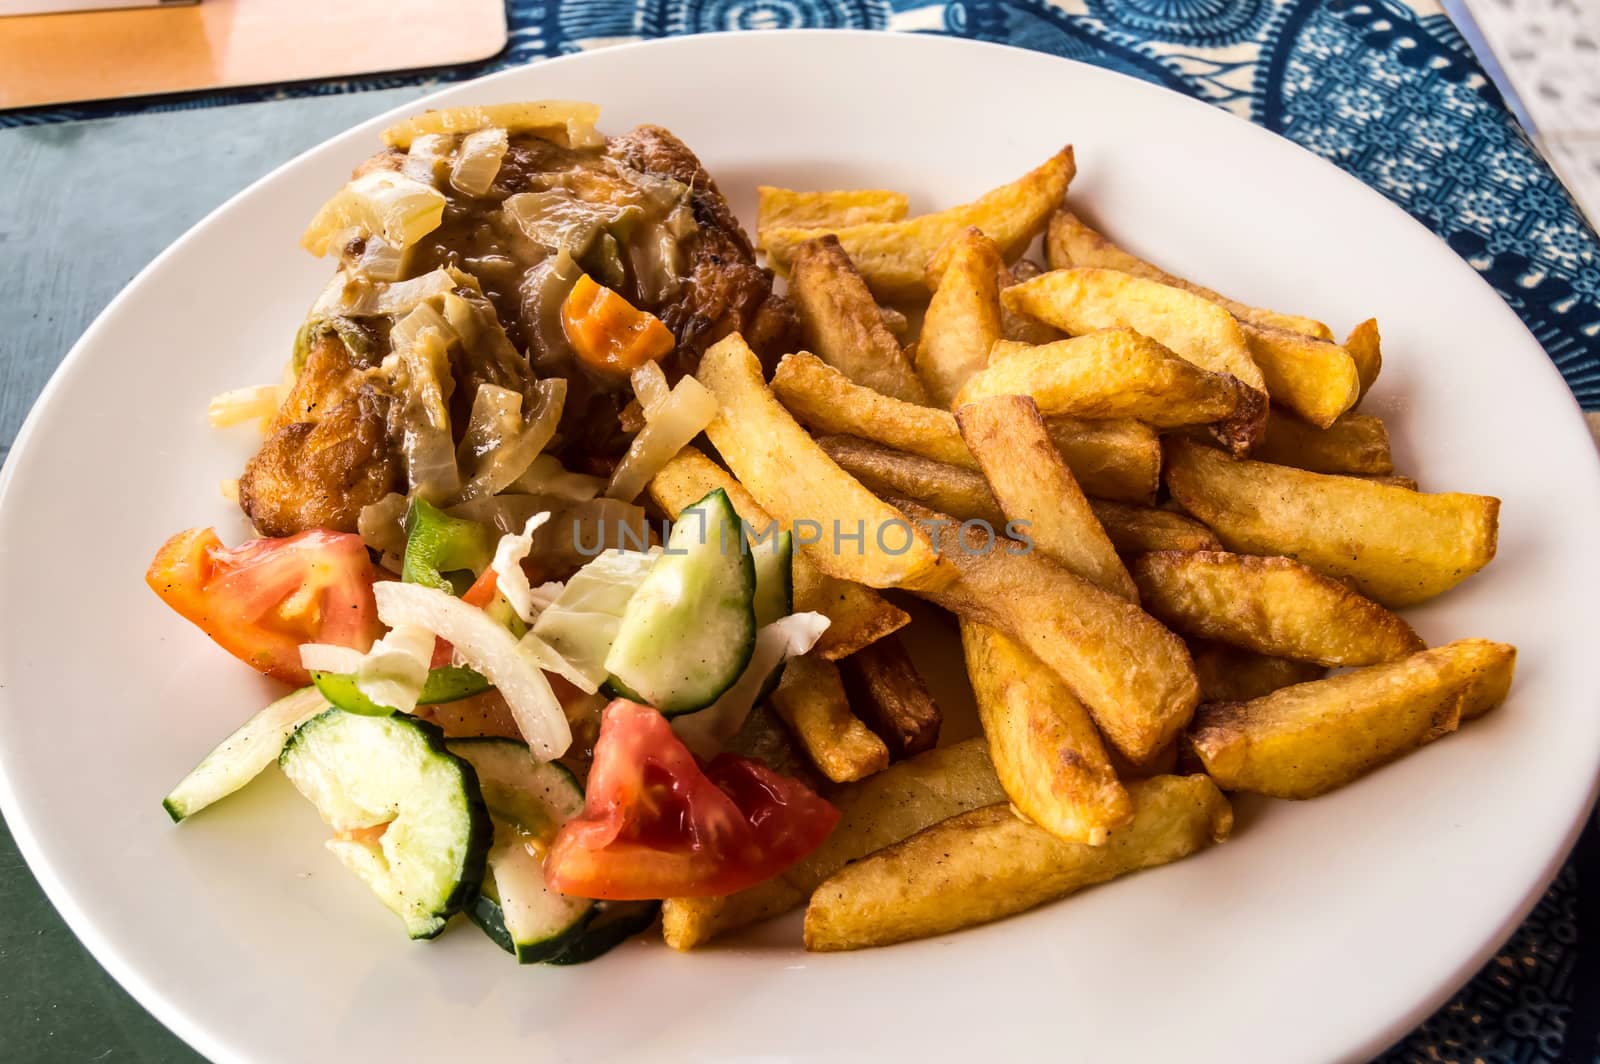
(584, 942)
(480, 834)
(485, 912)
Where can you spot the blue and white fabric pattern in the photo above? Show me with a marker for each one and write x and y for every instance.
(1385, 89)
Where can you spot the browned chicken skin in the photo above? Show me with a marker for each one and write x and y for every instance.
(330, 451)
(327, 453)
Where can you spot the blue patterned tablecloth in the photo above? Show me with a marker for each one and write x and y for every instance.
(1391, 93)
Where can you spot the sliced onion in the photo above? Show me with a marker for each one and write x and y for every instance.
(329, 657)
(382, 524)
(492, 650)
(393, 671)
(428, 158)
(395, 206)
(478, 161)
(504, 513)
(706, 731)
(244, 404)
(421, 342)
(496, 417)
(650, 386)
(507, 462)
(548, 477)
(569, 123)
(510, 579)
(550, 660)
(582, 622)
(681, 417)
(381, 260)
(351, 295)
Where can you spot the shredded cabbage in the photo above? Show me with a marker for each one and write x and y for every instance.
(550, 660)
(679, 418)
(510, 579)
(395, 206)
(492, 650)
(548, 477)
(582, 622)
(704, 732)
(393, 671)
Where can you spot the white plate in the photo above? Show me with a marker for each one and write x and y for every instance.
(1323, 930)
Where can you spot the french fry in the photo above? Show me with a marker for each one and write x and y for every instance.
(1316, 379)
(1233, 674)
(844, 326)
(1365, 348)
(988, 864)
(1397, 547)
(1356, 443)
(826, 401)
(896, 322)
(889, 694)
(1300, 370)
(1071, 243)
(1134, 676)
(1272, 606)
(881, 809)
(963, 319)
(776, 207)
(793, 480)
(949, 489)
(1117, 459)
(1164, 762)
(1492, 668)
(1042, 741)
(1084, 300)
(1036, 492)
(1019, 327)
(1136, 529)
(1391, 479)
(892, 256)
(1116, 373)
(811, 701)
(1307, 740)
(856, 615)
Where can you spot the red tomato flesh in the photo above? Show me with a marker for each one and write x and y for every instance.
(262, 599)
(656, 824)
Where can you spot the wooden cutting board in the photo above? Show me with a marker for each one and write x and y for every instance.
(101, 55)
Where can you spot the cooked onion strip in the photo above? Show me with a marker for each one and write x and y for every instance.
(478, 161)
(244, 404)
(569, 123)
(503, 464)
(679, 418)
(398, 208)
(510, 579)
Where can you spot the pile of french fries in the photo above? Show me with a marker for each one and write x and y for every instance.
(1154, 514)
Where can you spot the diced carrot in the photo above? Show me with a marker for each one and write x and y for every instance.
(608, 333)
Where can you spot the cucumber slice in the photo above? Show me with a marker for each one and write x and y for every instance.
(689, 630)
(409, 814)
(241, 756)
(448, 683)
(528, 802)
(609, 925)
(774, 562)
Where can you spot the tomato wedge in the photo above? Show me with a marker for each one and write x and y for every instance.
(655, 824)
(262, 599)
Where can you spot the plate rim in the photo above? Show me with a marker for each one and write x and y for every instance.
(192, 1031)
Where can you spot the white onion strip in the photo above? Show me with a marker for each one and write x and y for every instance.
(509, 577)
(329, 657)
(492, 650)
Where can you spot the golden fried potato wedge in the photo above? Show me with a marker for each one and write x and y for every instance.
(892, 256)
(988, 864)
(1115, 373)
(1233, 674)
(1396, 546)
(889, 694)
(1136, 529)
(1117, 459)
(1019, 327)
(1364, 346)
(1071, 243)
(1315, 737)
(1273, 606)
(1043, 743)
(856, 615)
(1037, 493)
(1134, 676)
(844, 326)
(826, 401)
(881, 809)
(1391, 479)
(794, 481)
(950, 489)
(1084, 300)
(897, 323)
(963, 318)
(834, 209)
(1356, 443)
(1492, 666)
(811, 701)
(1317, 379)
